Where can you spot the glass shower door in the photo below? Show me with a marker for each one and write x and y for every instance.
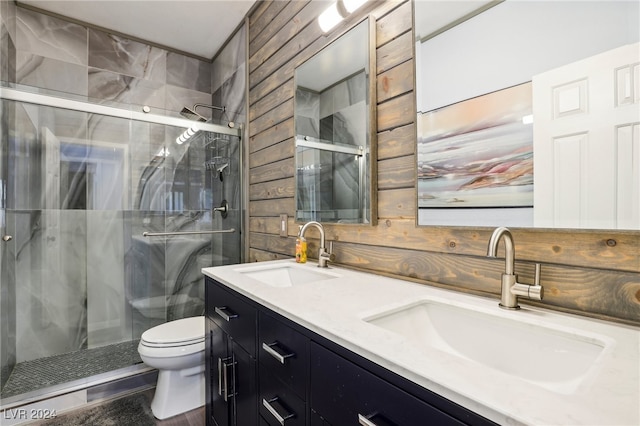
(7, 282)
(80, 281)
(66, 179)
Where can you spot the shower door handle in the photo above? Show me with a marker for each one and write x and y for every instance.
(7, 238)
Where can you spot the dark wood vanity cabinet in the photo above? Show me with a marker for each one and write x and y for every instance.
(344, 393)
(283, 355)
(275, 372)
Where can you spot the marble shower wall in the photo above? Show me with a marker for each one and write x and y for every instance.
(228, 82)
(7, 41)
(228, 85)
(63, 56)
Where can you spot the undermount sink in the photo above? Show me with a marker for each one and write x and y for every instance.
(286, 275)
(558, 360)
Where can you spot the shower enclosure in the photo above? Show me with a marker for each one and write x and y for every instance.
(106, 220)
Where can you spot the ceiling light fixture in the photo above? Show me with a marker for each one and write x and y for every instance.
(330, 18)
(352, 5)
(338, 11)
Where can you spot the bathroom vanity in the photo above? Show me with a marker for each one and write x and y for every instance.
(294, 344)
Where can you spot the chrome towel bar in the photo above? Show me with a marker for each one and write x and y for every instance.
(167, 234)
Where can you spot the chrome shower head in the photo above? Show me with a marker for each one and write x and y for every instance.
(192, 115)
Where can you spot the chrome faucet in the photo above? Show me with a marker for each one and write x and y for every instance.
(511, 288)
(323, 255)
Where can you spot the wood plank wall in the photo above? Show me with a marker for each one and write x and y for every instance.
(591, 273)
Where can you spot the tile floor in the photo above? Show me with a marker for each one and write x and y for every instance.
(130, 410)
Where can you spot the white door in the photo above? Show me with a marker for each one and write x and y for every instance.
(587, 142)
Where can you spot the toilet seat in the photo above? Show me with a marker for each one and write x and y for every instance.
(182, 332)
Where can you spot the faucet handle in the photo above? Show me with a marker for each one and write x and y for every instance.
(536, 291)
(328, 254)
(325, 256)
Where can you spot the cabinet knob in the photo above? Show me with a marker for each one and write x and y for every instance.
(7, 238)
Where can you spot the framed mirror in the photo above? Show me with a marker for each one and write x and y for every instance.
(335, 130)
(528, 113)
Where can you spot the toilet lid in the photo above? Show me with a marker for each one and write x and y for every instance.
(182, 331)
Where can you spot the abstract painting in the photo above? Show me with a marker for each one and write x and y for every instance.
(478, 153)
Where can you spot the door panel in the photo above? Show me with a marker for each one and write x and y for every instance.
(587, 142)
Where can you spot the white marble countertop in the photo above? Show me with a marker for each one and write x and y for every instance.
(335, 308)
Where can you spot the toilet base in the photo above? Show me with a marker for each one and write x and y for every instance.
(178, 391)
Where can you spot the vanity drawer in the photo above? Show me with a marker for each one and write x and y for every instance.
(284, 352)
(343, 393)
(279, 405)
(232, 314)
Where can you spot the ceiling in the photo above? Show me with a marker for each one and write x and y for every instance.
(201, 27)
(196, 27)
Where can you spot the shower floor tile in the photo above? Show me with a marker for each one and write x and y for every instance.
(55, 370)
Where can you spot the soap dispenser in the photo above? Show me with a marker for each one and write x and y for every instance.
(301, 248)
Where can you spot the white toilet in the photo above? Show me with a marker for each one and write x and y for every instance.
(176, 349)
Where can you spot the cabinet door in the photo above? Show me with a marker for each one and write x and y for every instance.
(244, 389)
(316, 419)
(232, 389)
(220, 362)
(346, 394)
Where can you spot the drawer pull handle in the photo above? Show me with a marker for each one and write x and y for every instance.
(225, 314)
(274, 412)
(366, 420)
(275, 351)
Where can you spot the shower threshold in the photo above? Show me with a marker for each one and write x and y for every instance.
(44, 377)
